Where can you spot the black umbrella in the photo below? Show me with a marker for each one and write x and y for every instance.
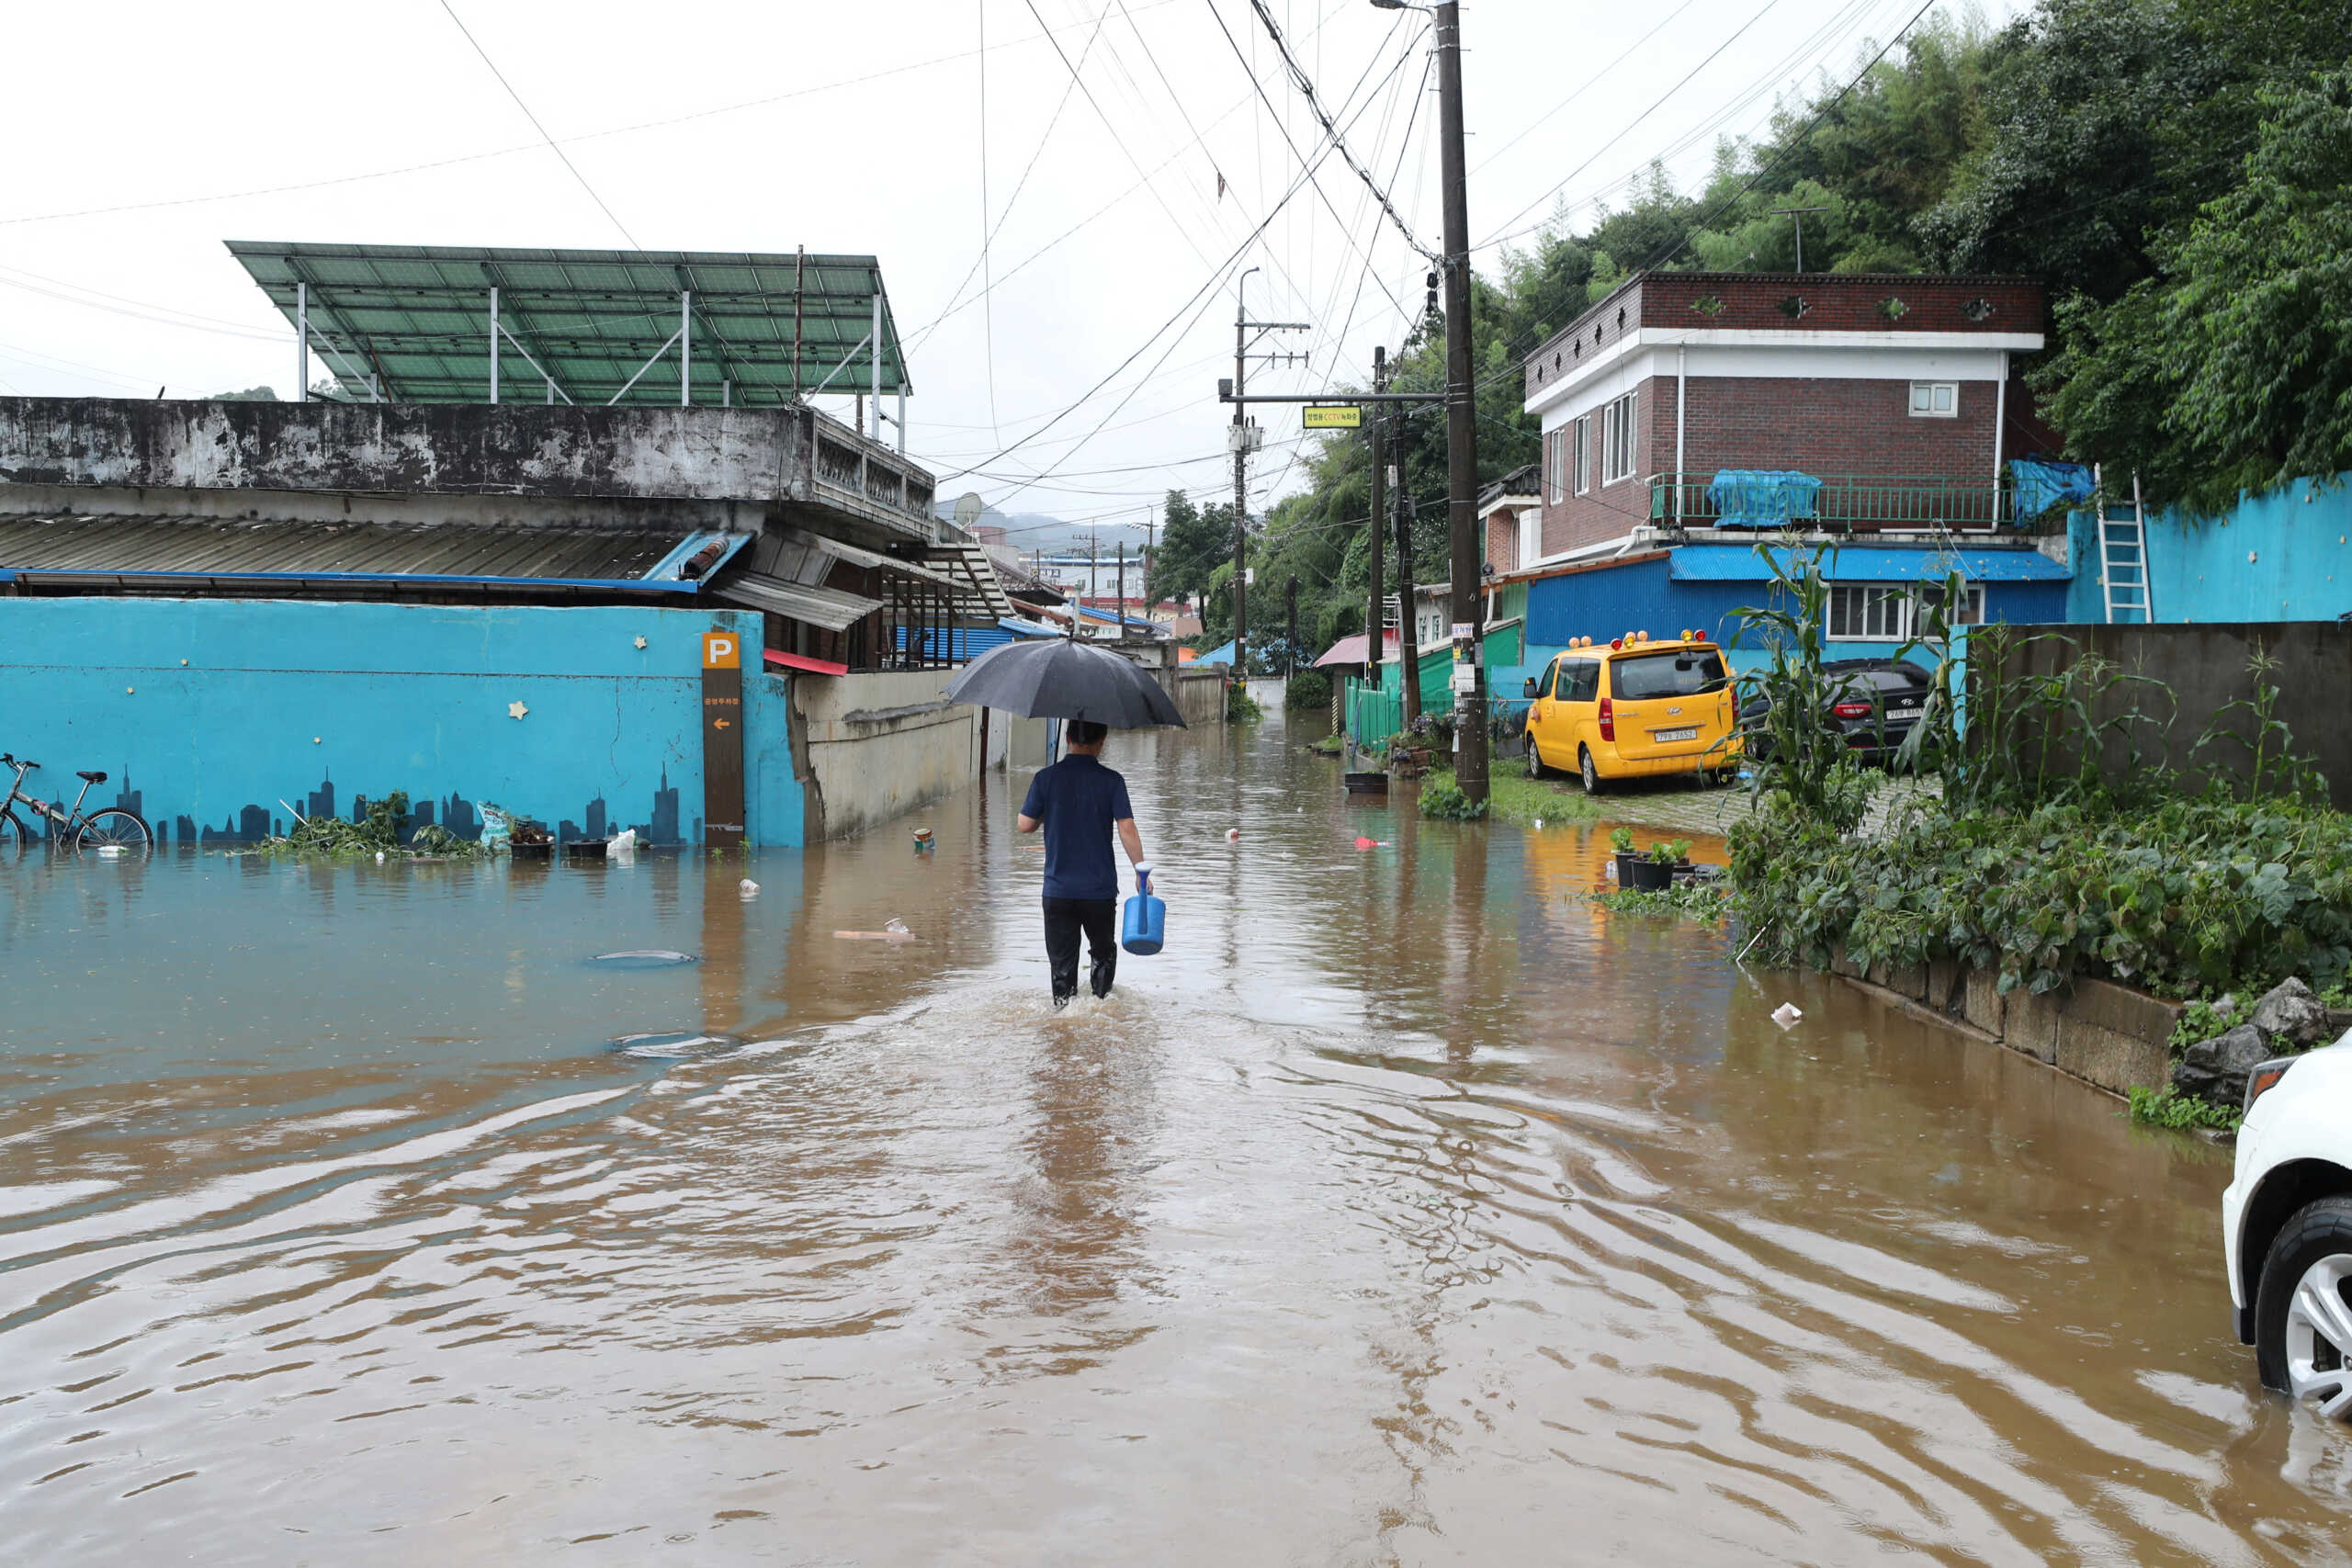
(1060, 678)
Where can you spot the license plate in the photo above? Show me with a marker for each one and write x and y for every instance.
(1665, 735)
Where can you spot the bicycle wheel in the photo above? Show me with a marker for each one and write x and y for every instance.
(115, 829)
(13, 837)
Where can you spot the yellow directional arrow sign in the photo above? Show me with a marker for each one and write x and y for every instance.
(1347, 417)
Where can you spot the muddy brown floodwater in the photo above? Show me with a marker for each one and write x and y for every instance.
(1407, 1209)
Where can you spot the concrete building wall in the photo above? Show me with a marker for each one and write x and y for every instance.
(2282, 557)
(876, 746)
(214, 716)
(2206, 667)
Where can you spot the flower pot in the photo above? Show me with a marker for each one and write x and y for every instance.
(1648, 875)
(1627, 861)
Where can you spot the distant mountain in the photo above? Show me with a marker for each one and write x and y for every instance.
(1034, 532)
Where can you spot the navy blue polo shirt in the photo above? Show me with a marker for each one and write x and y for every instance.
(1079, 800)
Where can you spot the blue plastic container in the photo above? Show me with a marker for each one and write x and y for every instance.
(1146, 926)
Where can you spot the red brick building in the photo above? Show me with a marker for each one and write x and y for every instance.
(1899, 393)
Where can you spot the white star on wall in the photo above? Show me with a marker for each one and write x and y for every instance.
(515, 710)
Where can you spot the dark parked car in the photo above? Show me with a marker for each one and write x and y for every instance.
(1878, 700)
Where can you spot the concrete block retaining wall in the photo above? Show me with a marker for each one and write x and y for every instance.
(2107, 1035)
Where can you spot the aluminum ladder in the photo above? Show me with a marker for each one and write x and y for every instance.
(2123, 560)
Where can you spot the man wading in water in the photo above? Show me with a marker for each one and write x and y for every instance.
(1078, 801)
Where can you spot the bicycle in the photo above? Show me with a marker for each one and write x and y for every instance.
(111, 827)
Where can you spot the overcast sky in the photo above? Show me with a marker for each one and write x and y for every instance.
(145, 134)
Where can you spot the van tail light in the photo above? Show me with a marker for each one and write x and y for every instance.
(1608, 719)
(2265, 1077)
(1851, 710)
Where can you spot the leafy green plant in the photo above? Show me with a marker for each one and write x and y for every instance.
(1241, 707)
(1308, 689)
(1691, 900)
(2201, 1021)
(2167, 1107)
(1668, 851)
(2184, 898)
(1443, 798)
(377, 831)
(1621, 839)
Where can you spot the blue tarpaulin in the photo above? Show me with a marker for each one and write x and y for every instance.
(2041, 486)
(1761, 497)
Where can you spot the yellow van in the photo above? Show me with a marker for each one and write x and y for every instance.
(1631, 708)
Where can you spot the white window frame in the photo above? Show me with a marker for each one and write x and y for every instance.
(1927, 395)
(1580, 454)
(1620, 432)
(1555, 456)
(1889, 612)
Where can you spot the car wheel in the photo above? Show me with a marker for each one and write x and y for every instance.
(1535, 768)
(2302, 1314)
(1592, 785)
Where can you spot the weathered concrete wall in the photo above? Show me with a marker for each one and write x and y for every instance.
(1199, 694)
(758, 456)
(876, 746)
(215, 717)
(2205, 667)
(699, 453)
(2104, 1033)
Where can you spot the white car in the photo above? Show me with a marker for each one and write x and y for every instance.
(2287, 1223)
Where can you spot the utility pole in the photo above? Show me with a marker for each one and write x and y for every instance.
(1245, 433)
(1122, 593)
(1093, 568)
(1376, 527)
(1409, 628)
(1460, 417)
(1290, 632)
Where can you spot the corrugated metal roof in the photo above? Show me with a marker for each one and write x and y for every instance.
(1868, 563)
(827, 607)
(418, 316)
(642, 557)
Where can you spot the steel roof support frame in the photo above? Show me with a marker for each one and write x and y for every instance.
(494, 329)
(659, 355)
(875, 337)
(685, 340)
(301, 343)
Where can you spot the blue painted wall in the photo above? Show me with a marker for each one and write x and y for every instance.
(1643, 596)
(208, 713)
(2298, 539)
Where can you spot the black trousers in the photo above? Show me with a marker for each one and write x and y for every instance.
(1065, 917)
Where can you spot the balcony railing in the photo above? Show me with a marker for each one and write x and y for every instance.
(1832, 503)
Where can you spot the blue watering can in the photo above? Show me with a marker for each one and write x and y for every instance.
(1146, 926)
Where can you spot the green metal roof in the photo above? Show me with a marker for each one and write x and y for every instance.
(418, 317)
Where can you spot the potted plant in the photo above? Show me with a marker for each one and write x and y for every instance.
(1653, 873)
(1622, 840)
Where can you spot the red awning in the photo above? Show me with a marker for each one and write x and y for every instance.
(801, 662)
(1349, 649)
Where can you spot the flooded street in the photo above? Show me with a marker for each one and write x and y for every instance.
(1407, 1209)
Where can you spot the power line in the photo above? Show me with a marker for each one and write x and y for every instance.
(1657, 103)
(1588, 82)
(1340, 143)
(552, 145)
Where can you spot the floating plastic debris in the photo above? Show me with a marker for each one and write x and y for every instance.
(622, 847)
(748, 889)
(896, 927)
(1786, 1015)
(1233, 835)
(644, 958)
(677, 1045)
(1363, 843)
